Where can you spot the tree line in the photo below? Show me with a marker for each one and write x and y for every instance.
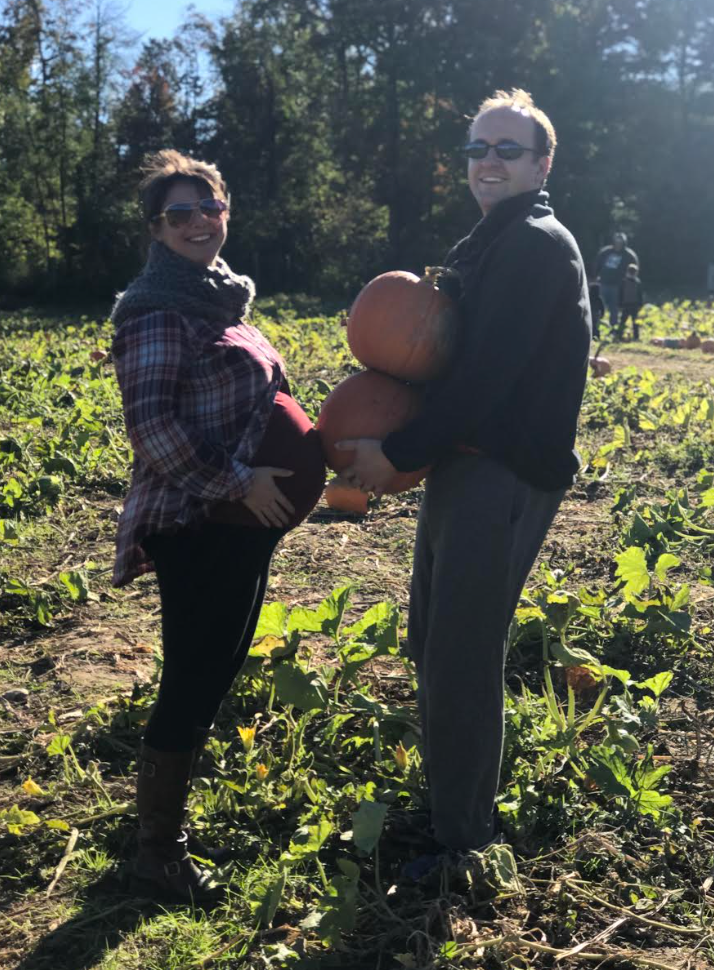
(337, 124)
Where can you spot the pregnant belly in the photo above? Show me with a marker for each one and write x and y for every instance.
(290, 441)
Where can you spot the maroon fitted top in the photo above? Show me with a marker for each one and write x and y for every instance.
(290, 441)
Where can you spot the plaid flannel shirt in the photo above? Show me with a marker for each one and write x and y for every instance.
(197, 398)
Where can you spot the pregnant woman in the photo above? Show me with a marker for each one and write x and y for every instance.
(225, 462)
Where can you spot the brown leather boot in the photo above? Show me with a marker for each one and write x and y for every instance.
(163, 781)
(220, 853)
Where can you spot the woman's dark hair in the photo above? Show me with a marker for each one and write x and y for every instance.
(163, 169)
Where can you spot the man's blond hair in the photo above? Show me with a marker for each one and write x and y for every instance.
(522, 101)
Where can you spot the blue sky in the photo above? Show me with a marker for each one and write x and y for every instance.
(160, 18)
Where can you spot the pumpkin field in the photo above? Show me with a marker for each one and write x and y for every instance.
(313, 775)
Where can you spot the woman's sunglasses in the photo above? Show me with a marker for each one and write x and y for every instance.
(509, 151)
(179, 213)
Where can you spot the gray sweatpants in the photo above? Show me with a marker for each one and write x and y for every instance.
(479, 532)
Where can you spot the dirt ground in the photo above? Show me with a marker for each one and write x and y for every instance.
(694, 364)
(107, 645)
(109, 642)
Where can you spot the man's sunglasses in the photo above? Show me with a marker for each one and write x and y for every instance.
(509, 151)
(179, 213)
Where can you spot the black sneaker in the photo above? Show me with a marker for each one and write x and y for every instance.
(429, 863)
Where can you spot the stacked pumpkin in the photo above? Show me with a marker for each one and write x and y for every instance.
(403, 329)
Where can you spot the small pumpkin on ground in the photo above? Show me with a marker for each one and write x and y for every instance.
(600, 366)
(367, 405)
(405, 326)
(708, 346)
(580, 679)
(343, 497)
(692, 341)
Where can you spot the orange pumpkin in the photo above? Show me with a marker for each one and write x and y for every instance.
(404, 326)
(343, 497)
(692, 341)
(580, 679)
(367, 405)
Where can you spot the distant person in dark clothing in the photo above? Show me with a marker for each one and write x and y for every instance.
(631, 301)
(597, 307)
(610, 268)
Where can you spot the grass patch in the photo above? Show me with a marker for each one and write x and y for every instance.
(607, 779)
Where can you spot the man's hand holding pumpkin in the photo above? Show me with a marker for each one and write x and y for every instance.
(371, 470)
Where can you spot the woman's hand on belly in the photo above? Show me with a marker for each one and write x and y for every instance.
(265, 500)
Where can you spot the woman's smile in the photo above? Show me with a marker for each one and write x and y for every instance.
(203, 238)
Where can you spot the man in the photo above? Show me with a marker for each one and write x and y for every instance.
(610, 268)
(498, 431)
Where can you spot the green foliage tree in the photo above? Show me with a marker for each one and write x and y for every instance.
(336, 125)
(24, 246)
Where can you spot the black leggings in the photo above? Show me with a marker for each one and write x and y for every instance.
(212, 582)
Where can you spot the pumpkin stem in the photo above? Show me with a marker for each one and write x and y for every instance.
(434, 274)
(443, 278)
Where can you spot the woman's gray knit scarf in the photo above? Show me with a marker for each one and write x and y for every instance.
(172, 282)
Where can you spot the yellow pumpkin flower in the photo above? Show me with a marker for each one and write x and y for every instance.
(247, 736)
(261, 772)
(31, 787)
(401, 757)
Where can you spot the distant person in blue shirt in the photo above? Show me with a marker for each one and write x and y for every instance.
(610, 269)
